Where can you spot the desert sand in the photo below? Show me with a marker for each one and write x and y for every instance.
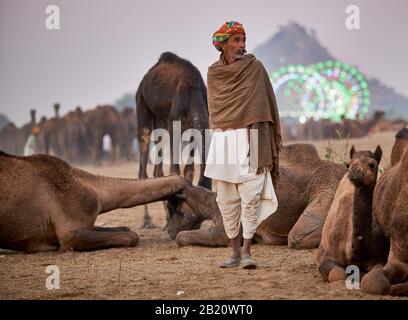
(158, 269)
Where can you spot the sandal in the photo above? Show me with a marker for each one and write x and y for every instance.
(248, 262)
(231, 262)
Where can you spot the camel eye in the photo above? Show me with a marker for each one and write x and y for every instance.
(372, 165)
(347, 165)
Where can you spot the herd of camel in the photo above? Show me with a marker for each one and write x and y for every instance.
(345, 128)
(77, 136)
(352, 217)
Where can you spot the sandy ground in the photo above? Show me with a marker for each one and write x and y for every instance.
(158, 269)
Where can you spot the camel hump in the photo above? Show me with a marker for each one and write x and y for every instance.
(8, 155)
(171, 58)
(292, 151)
(402, 134)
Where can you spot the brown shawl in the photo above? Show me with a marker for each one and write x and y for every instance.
(241, 95)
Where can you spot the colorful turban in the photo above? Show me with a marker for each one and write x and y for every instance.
(225, 32)
(35, 130)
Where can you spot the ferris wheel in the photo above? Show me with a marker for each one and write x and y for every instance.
(326, 90)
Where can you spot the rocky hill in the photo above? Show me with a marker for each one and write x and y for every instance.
(3, 121)
(293, 44)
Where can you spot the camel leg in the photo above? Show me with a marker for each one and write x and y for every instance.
(270, 239)
(178, 109)
(86, 240)
(160, 145)
(307, 231)
(145, 125)
(195, 142)
(204, 181)
(112, 229)
(94, 156)
(147, 219)
(189, 167)
(331, 271)
(390, 279)
(209, 237)
(400, 289)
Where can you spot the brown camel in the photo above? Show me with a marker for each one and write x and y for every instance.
(305, 192)
(11, 139)
(100, 121)
(348, 237)
(51, 137)
(390, 209)
(129, 118)
(172, 90)
(46, 204)
(75, 142)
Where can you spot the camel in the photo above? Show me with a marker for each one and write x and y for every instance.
(172, 90)
(77, 136)
(100, 121)
(305, 191)
(13, 139)
(51, 137)
(47, 204)
(129, 117)
(390, 210)
(348, 237)
(75, 142)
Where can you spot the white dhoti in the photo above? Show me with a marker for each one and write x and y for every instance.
(243, 197)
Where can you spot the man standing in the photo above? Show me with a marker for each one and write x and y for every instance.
(31, 146)
(244, 149)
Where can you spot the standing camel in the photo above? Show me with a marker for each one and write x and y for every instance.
(46, 204)
(172, 90)
(104, 120)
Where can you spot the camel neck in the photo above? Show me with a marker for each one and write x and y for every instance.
(211, 214)
(362, 223)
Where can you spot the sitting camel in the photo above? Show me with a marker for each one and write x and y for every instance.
(305, 191)
(390, 209)
(46, 204)
(348, 237)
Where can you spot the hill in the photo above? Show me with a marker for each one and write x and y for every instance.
(293, 44)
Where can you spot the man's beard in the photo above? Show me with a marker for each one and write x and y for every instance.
(240, 53)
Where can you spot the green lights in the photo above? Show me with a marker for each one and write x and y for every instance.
(329, 90)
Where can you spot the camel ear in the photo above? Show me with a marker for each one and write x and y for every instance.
(352, 152)
(378, 154)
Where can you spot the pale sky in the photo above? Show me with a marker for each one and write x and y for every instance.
(104, 47)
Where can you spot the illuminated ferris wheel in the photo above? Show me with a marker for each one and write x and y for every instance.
(326, 90)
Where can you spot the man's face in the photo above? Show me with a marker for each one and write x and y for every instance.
(234, 47)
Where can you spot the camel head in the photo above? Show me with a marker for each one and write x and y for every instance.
(363, 167)
(189, 209)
